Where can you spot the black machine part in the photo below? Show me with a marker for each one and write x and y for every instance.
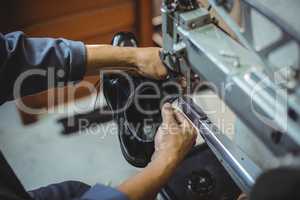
(277, 184)
(206, 180)
(188, 4)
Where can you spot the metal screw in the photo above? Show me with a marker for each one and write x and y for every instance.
(214, 20)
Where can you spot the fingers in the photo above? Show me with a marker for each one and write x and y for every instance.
(162, 72)
(185, 124)
(180, 117)
(167, 114)
(183, 121)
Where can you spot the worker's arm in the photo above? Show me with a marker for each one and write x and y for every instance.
(141, 61)
(173, 140)
(30, 64)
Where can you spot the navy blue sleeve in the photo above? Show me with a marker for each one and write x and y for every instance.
(75, 190)
(101, 192)
(60, 59)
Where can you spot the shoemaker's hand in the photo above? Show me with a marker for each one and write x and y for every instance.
(149, 63)
(174, 139)
(175, 136)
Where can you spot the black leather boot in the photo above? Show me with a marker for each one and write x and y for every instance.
(136, 129)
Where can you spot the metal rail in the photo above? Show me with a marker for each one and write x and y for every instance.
(241, 168)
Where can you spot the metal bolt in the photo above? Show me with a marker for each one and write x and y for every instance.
(214, 20)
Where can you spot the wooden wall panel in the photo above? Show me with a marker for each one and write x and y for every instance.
(144, 22)
(86, 24)
(37, 11)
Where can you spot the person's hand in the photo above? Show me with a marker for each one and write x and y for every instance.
(173, 140)
(149, 64)
(243, 197)
(175, 137)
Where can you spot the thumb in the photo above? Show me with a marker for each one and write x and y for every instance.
(167, 113)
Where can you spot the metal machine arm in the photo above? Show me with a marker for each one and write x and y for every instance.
(192, 41)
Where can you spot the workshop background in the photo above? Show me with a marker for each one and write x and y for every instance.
(33, 144)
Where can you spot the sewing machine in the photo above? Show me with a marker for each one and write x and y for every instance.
(264, 97)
